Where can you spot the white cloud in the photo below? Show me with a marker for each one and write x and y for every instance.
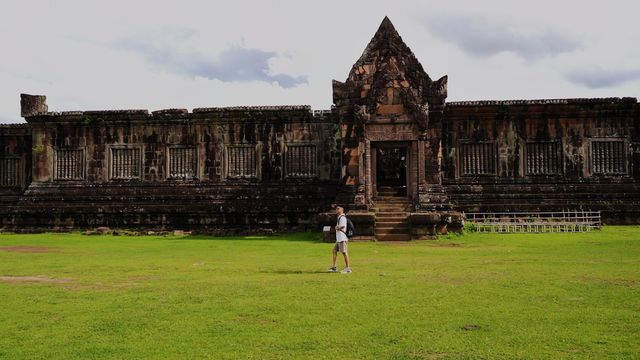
(64, 49)
(234, 64)
(483, 36)
(597, 78)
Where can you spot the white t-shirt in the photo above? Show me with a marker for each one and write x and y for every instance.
(340, 234)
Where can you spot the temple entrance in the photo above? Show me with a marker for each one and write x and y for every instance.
(391, 170)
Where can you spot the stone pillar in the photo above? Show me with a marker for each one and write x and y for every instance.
(41, 154)
(421, 160)
(431, 192)
(368, 171)
(423, 197)
(361, 185)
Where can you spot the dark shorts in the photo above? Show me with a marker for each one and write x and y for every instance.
(341, 247)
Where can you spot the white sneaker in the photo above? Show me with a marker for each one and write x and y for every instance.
(346, 271)
(332, 269)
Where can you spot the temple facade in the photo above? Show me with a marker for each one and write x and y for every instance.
(404, 161)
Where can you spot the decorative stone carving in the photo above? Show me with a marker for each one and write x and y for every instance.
(388, 97)
(388, 81)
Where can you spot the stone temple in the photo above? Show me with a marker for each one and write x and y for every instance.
(391, 141)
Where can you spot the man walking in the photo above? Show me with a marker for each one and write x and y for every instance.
(341, 241)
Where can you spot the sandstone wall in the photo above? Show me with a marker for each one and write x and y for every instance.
(566, 130)
(15, 159)
(269, 197)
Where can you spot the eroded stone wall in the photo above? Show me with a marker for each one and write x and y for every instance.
(15, 161)
(545, 156)
(275, 193)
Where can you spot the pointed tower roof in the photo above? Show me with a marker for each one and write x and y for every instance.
(388, 42)
(388, 80)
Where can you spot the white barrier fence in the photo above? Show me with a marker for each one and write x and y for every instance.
(535, 222)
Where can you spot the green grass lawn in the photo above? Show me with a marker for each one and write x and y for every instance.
(478, 296)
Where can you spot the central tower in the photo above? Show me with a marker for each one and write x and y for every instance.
(390, 114)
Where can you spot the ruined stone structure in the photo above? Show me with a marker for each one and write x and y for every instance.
(405, 162)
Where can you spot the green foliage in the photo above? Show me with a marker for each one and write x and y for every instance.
(469, 227)
(477, 296)
(93, 120)
(38, 149)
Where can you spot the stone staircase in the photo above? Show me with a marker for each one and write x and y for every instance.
(391, 215)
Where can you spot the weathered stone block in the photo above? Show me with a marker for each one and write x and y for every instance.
(31, 105)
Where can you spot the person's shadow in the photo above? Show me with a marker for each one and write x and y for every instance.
(294, 272)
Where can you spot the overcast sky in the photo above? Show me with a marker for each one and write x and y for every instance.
(92, 55)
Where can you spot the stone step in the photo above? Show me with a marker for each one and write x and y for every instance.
(392, 209)
(393, 189)
(392, 201)
(385, 203)
(394, 192)
(390, 194)
(391, 219)
(395, 214)
(394, 218)
(404, 226)
(393, 237)
(386, 222)
(392, 231)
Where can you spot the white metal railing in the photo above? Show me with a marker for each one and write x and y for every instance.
(535, 222)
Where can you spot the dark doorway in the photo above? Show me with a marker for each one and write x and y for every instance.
(391, 169)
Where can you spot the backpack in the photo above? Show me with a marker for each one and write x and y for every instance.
(351, 230)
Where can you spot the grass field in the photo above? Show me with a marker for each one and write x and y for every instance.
(478, 296)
